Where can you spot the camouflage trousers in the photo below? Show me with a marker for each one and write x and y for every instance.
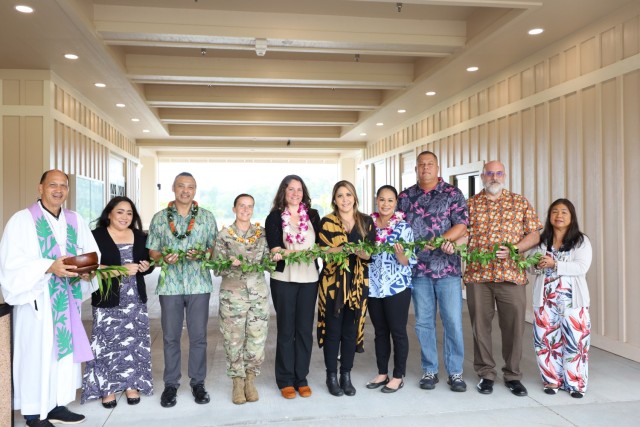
(244, 321)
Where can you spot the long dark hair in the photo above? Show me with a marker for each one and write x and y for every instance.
(280, 202)
(357, 216)
(103, 221)
(572, 238)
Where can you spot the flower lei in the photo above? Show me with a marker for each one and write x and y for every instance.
(383, 232)
(303, 225)
(172, 225)
(246, 240)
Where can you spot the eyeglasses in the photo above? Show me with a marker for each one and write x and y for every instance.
(491, 174)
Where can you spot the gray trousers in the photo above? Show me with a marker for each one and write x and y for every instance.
(173, 308)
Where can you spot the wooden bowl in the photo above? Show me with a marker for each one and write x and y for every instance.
(86, 263)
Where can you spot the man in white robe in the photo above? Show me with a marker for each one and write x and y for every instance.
(43, 380)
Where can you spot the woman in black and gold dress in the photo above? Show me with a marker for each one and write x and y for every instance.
(342, 294)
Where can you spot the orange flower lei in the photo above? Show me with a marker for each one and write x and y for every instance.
(246, 240)
(192, 221)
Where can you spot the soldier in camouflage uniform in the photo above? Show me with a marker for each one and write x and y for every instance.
(244, 304)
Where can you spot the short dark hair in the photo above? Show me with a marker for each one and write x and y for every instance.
(103, 220)
(387, 187)
(183, 174)
(427, 152)
(44, 175)
(279, 201)
(572, 238)
(239, 196)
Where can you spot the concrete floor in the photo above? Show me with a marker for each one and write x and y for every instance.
(613, 398)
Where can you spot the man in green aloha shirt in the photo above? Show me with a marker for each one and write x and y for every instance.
(178, 237)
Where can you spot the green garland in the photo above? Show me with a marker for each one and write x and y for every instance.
(105, 274)
(341, 258)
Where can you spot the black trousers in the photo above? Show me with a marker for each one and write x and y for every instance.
(389, 317)
(340, 338)
(295, 305)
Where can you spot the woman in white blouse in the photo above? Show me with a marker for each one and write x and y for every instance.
(562, 327)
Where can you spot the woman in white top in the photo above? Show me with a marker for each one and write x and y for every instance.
(562, 327)
(293, 226)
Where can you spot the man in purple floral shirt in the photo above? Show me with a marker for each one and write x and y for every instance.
(435, 208)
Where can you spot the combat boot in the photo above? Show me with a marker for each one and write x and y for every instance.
(250, 391)
(238, 391)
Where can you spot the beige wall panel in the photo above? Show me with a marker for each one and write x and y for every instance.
(540, 77)
(528, 82)
(465, 152)
(589, 56)
(504, 151)
(631, 37)
(539, 196)
(464, 109)
(593, 211)
(473, 106)
(514, 88)
(609, 47)
(631, 181)
(483, 142)
(556, 70)
(483, 102)
(10, 166)
(457, 150)
(556, 178)
(612, 212)
(492, 139)
(474, 146)
(32, 160)
(492, 97)
(503, 93)
(34, 92)
(574, 154)
(515, 151)
(529, 177)
(10, 92)
(571, 68)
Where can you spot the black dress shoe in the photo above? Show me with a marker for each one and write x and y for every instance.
(110, 404)
(132, 400)
(200, 395)
(332, 384)
(61, 415)
(516, 387)
(372, 385)
(168, 398)
(345, 384)
(576, 394)
(39, 423)
(550, 390)
(386, 389)
(485, 386)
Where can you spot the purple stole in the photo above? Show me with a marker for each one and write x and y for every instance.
(66, 293)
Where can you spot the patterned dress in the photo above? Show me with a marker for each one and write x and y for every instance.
(121, 343)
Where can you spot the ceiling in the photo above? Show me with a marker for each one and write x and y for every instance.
(311, 76)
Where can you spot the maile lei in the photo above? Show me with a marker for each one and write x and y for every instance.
(303, 224)
(383, 232)
(246, 240)
(192, 221)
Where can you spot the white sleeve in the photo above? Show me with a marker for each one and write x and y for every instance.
(580, 263)
(88, 244)
(23, 273)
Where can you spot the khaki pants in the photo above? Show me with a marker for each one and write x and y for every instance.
(510, 300)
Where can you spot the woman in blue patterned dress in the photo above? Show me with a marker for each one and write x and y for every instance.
(120, 339)
(390, 291)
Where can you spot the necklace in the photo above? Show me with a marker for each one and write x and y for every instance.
(383, 232)
(302, 224)
(246, 240)
(172, 225)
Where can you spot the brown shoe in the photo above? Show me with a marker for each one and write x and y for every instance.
(238, 391)
(288, 392)
(304, 391)
(250, 391)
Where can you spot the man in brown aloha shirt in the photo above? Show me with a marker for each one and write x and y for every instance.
(497, 215)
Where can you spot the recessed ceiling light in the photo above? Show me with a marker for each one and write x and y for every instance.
(24, 9)
(379, 124)
(135, 120)
(536, 31)
(363, 134)
(472, 69)
(71, 56)
(430, 93)
(145, 131)
(402, 110)
(100, 85)
(120, 105)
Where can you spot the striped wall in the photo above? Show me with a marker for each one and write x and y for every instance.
(566, 123)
